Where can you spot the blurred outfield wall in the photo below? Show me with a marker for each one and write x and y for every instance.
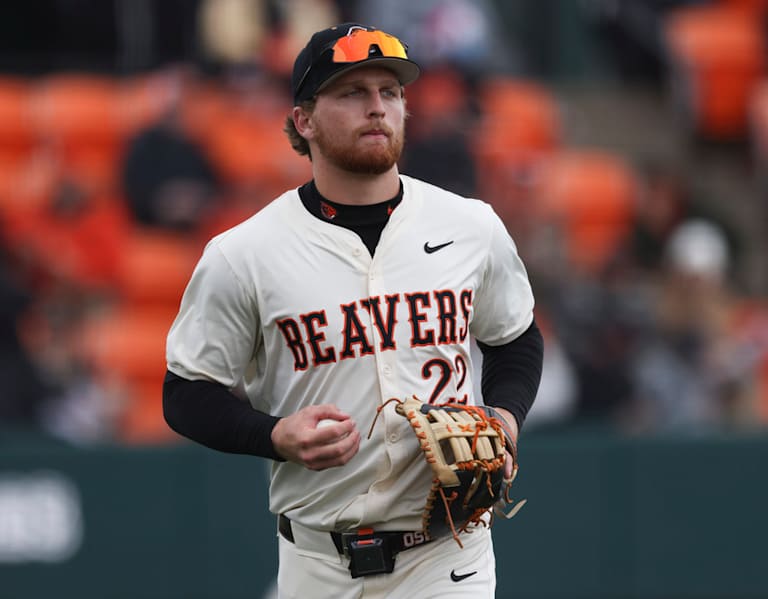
(607, 517)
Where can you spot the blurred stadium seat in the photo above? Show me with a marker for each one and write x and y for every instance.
(125, 346)
(81, 117)
(154, 267)
(753, 8)
(251, 151)
(519, 126)
(126, 349)
(27, 182)
(74, 108)
(716, 56)
(590, 196)
(17, 135)
(436, 92)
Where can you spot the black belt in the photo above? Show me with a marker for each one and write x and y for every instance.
(397, 540)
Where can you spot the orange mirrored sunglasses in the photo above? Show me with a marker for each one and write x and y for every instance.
(356, 46)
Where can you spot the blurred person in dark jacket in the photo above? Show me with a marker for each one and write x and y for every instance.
(167, 178)
(23, 387)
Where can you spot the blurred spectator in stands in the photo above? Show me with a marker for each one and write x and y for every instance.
(697, 370)
(73, 240)
(438, 147)
(600, 323)
(63, 251)
(296, 21)
(631, 33)
(667, 197)
(663, 203)
(231, 32)
(167, 178)
(86, 408)
(260, 34)
(89, 230)
(460, 32)
(24, 388)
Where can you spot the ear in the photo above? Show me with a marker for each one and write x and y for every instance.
(302, 120)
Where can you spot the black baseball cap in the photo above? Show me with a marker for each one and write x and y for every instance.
(336, 50)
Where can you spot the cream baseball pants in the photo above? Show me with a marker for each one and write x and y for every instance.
(312, 568)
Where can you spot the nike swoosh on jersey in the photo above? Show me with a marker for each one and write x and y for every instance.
(431, 249)
(459, 577)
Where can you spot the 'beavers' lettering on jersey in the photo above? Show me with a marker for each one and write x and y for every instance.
(354, 333)
(419, 338)
(466, 311)
(431, 323)
(315, 338)
(446, 304)
(386, 328)
(290, 330)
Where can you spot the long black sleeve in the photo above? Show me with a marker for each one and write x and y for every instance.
(512, 372)
(209, 414)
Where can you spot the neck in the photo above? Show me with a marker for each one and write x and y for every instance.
(344, 187)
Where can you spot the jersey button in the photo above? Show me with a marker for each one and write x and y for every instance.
(386, 370)
(393, 438)
(357, 252)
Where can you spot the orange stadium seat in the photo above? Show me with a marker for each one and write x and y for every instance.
(526, 112)
(154, 267)
(17, 135)
(202, 108)
(590, 195)
(128, 342)
(81, 116)
(717, 57)
(143, 421)
(438, 91)
(519, 126)
(71, 107)
(753, 8)
(252, 151)
(140, 103)
(127, 348)
(26, 182)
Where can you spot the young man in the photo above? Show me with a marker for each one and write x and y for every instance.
(360, 286)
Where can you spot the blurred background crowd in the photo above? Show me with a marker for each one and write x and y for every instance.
(623, 142)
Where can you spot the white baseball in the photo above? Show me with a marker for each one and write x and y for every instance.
(328, 422)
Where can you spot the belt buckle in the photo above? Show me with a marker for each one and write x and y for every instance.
(368, 554)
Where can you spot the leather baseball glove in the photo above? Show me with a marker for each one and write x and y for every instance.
(465, 447)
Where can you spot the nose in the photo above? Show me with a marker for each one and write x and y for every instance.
(376, 106)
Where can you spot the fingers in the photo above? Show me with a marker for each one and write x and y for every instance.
(509, 464)
(317, 437)
(329, 455)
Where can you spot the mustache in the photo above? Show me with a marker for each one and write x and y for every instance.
(380, 128)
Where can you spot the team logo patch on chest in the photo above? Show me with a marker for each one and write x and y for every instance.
(327, 211)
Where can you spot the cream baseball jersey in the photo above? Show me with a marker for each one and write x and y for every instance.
(289, 311)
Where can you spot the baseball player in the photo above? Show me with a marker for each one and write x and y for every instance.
(357, 287)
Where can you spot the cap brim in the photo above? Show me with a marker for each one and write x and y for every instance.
(406, 70)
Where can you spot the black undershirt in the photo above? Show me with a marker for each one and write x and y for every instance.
(209, 414)
(366, 220)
